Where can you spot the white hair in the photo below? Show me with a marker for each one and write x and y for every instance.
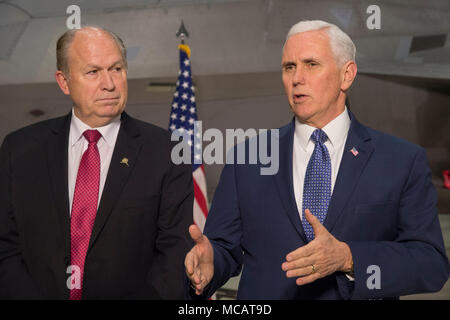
(343, 48)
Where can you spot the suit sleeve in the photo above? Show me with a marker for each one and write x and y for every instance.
(223, 229)
(173, 240)
(416, 261)
(15, 282)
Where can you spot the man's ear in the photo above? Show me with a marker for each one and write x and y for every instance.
(61, 79)
(349, 73)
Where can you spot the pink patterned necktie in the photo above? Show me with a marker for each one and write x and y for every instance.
(84, 209)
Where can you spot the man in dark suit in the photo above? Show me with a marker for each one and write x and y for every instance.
(91, 205)
(351, 213)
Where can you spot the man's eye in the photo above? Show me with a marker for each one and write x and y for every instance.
(118, 69)
(312, 64)
(288, 67)
(92, 72)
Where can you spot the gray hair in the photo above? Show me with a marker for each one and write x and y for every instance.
(65, 40)
(343, 48)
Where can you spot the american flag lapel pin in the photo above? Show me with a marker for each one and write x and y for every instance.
(354, 151)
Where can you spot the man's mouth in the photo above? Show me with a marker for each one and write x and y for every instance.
(298, 98)
(109, 99)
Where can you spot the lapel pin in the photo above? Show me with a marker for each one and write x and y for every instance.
(124, 161)
(354, 151)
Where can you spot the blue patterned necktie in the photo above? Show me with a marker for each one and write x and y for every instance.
(317, 185)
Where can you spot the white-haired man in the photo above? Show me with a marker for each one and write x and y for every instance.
(351, 212)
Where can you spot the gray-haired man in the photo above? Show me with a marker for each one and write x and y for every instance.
(91, 205)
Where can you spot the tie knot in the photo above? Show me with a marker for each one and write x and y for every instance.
(92, 136)
(319, 136)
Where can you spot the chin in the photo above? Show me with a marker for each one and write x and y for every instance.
(109, 110)
(301, 112)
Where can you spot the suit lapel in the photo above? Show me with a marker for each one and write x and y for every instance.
(350, 170)
(284, 178)
(127, 146)
(57, 158)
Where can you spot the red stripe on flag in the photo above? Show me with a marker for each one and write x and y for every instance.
(198, 194)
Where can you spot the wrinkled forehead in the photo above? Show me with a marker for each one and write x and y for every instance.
(315, 42)
(94, 44)
(91, 37)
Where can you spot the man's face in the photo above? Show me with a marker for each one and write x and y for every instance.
(98, 80)
(311, 78)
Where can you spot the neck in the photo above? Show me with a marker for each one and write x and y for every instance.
(94, 122)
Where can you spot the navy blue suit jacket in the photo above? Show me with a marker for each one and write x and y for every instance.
(383, 206)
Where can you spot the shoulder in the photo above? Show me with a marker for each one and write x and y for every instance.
(36, 132)
(151, 131)
(154, 139)
(393, 144)
(393, 150)
(271, 135)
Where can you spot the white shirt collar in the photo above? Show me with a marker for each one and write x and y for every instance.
(336, 130)
(108, 132)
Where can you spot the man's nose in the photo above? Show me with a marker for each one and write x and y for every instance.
(107, 82)
(299, 76)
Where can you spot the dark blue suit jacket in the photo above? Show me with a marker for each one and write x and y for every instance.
(383, 206)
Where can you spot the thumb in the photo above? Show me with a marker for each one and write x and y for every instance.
(195, 233)
(314, 222)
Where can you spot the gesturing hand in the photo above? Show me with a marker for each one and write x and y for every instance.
(199, 262)
(321, 257)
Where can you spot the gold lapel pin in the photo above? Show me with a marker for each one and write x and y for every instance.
(124, 161)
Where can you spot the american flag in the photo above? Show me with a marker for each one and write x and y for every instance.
(182, 118)
(354, 151)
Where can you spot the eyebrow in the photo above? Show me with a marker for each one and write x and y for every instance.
(311, 59)
(94, 66)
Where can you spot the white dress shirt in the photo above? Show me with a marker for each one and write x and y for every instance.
(303, 148)
(78, 144)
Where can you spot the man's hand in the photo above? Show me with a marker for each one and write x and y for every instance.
(321, 257)
(199, 262)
